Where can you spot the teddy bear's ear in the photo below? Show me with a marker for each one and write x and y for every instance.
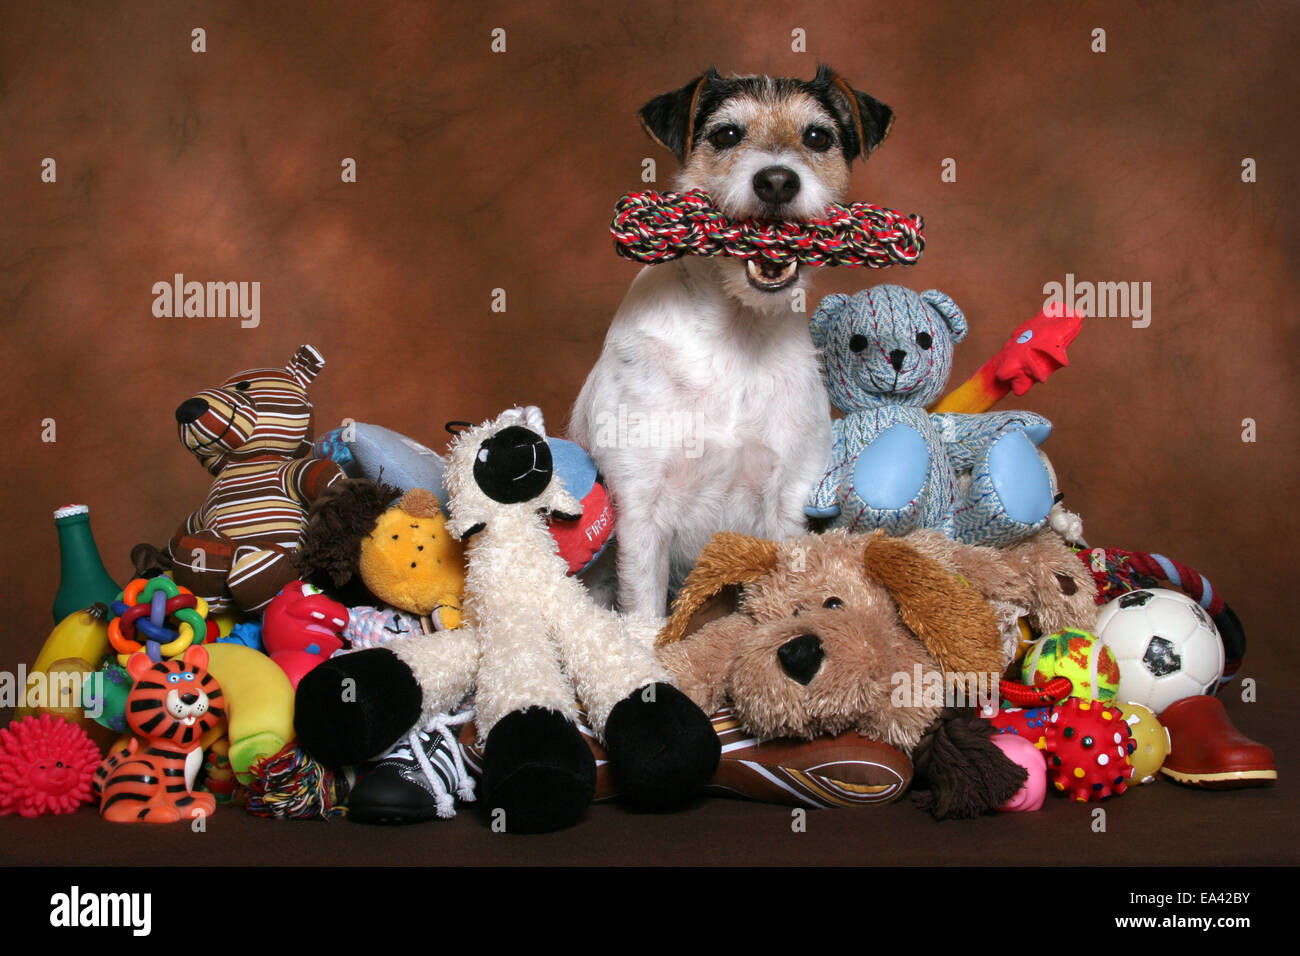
(952, 316)
(305, 364)
(728, 559)
(953, 621)
(824, 318)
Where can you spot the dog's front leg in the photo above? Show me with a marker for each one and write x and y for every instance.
(643, 559)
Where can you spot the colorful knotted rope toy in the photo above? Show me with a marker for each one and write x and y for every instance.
(143, 611)
(658, 227)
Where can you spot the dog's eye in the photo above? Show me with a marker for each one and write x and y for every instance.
(726, 137)
(923, 339)
(817, 139)
(832, 602)
(858, 343)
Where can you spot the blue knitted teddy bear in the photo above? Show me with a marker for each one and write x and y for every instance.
(886, 354)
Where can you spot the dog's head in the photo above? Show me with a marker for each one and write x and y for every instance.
(768, 148)
(828, 629)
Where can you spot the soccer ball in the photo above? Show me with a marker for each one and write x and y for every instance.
(1166, 645)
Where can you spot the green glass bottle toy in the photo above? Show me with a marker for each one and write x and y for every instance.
(83, 579)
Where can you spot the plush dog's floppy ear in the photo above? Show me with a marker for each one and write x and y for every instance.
(956, 625)
(669, 119)
(727, 559)
(868, 119)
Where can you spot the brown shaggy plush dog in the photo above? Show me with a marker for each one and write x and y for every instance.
(828, 626)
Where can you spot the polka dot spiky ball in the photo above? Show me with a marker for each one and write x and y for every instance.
(1087, 743)
(1077, 655)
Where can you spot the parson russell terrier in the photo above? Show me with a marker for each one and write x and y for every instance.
(717, 343)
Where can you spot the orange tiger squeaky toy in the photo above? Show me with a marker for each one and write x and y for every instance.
(172, 705)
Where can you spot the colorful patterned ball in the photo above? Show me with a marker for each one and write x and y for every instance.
(1078, 656)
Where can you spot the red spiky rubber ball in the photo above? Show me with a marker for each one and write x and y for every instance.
(46, 766)
(1087, 750)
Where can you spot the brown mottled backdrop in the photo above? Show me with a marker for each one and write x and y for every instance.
(479, 170)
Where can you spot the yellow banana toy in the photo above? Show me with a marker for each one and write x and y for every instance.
(75, 647)
(259, 703)
(82, 634)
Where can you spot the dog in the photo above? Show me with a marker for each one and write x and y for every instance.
(708, 359)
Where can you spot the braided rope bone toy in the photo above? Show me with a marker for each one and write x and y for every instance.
(659, 227)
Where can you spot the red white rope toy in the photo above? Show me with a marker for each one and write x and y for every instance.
(658, 227)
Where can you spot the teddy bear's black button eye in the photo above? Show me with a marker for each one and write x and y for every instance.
(858, 343)
(923, 339)
(243, 386)
(832, 602)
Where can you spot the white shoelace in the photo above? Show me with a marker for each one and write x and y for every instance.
(443, 725)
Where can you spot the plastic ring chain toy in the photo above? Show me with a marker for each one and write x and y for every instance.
(143, 610)
(659, 227)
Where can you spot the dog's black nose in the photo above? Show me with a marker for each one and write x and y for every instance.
(513, 465)
(896, 358)
(776, 184)
(801, 657)
(190, 410)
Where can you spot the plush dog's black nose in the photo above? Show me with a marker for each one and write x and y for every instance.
(801, 657)
(191, 410)
(776, 184)
(896, 358)
(513, 465)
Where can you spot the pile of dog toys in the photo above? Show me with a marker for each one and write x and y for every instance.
(362, 626)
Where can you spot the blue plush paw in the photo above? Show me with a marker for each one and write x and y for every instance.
(830, 511)
(1038, 431)
(890, 472)
(1020, 478)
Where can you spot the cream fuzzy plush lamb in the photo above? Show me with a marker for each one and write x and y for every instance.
(533, 646)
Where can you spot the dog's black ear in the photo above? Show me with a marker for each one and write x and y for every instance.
(669, 119)
(866, 120)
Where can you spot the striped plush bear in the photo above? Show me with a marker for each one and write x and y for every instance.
(254, 433)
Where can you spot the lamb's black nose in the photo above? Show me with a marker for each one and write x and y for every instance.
(191, 410)
(776, 184)
(801, 657)
(513, 465)
(896, 358)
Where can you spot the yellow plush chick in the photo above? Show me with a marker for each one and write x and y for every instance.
(409, 560)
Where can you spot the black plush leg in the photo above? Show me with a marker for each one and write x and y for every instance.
(662, 748)
(352, 708)
(538, 772)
